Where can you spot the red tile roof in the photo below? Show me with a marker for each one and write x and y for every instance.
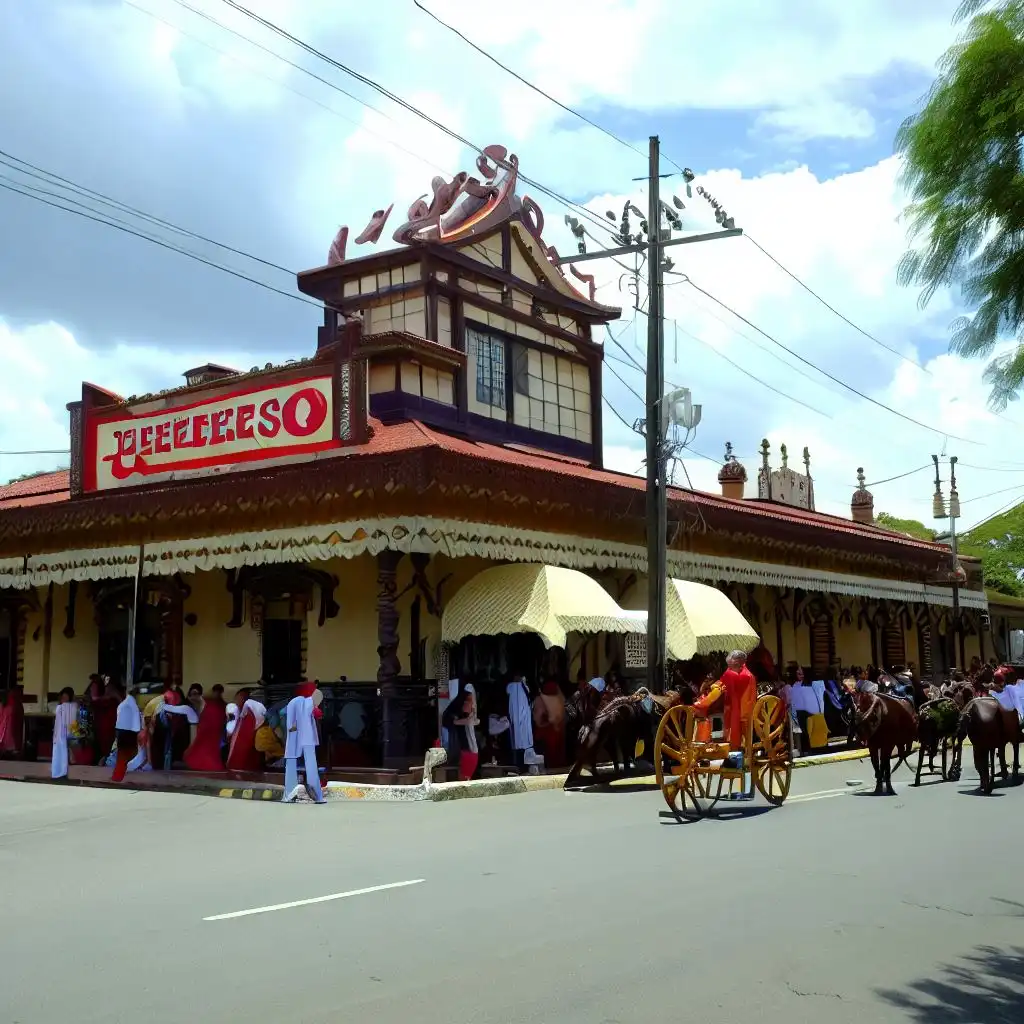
(52, 488)
(44, 489)
(523, 456)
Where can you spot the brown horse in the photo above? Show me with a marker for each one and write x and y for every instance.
(989, 726)
(887, 726)
(616, 728)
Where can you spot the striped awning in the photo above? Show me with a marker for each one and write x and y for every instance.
(530, 598)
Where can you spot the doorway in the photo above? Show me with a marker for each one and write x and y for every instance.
(282, 651)
(8, 649)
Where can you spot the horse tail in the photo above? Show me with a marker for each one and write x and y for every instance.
(964, 725)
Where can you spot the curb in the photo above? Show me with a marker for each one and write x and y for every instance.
(126, 787)
(249, 794)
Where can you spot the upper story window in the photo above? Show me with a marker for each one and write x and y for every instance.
(490, 367)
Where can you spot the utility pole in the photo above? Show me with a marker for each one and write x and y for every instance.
(655, 423)
(940, 511)
(657, 497)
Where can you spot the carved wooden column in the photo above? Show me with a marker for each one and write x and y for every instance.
(389, 666)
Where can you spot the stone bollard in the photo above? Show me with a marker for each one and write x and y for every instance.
(434, 758)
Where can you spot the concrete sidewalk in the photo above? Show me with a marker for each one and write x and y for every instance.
(229, 787)
(151, 782)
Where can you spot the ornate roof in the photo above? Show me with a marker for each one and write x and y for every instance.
(732, 470)
(423, 459)
(862, 497)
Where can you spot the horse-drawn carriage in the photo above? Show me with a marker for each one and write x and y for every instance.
(696, 767)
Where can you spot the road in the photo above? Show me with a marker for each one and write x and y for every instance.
(586, 908)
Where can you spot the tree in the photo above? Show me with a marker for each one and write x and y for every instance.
(998, 542)
(964, 174)
(911, 527)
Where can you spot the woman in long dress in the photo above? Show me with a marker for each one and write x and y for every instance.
(64, 719)
(205, 752)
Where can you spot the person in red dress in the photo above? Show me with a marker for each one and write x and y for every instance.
(204, 753)
(12, 723)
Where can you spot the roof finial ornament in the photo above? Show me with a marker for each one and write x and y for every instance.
(729, 457)
(765, 448)
(785, 456)
(861, 485)
(807, 460)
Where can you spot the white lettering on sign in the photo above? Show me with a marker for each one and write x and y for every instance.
(264, 423)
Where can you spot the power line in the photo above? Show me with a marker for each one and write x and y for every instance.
(825, 373)
(583, 117)
(266, 49)
(406, 105)
(40, 174)
(41, 451)
(112, 223)
(284, 85)
(807, 288)
(899, 476)
(747, 373)
(536, 88)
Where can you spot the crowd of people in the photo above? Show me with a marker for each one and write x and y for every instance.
(202, 733)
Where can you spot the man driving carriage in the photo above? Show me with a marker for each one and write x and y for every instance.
(739, 688)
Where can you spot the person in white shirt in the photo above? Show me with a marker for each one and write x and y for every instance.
(127, 725)
(63, 720)
(301, 741)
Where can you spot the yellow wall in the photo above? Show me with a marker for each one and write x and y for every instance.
(73, 661)
(347, 644)
(212, 653)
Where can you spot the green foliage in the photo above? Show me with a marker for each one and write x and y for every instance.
(999, 543)
(965, 176)
(911, 527)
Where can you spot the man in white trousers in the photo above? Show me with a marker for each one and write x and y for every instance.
(301, 741)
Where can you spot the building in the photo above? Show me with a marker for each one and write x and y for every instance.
(312, 519)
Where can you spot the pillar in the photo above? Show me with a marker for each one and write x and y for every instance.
(389, 666)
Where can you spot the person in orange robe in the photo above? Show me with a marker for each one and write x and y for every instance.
(740, 690)
(204, 752)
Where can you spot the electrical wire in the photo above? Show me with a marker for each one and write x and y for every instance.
(900, 476)
(628, 145)
(536, 88)
(807, 288)
(411, 108)
(825, 373)
(361, 125)
(48, 177)
(40, 451)
(112, 223)
(747, 373)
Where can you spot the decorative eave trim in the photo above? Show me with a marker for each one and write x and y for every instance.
(454, 538)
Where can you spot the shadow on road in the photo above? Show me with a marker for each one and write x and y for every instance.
(604, 788)
(984, 987)
(720, 812)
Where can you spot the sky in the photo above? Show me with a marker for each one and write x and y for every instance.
(786, 112)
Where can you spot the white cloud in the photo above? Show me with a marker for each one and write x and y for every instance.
(842, 236)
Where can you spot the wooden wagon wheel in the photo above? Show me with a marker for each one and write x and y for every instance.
(772, 749)
(689, 791)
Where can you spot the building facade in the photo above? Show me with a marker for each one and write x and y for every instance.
(312, 519)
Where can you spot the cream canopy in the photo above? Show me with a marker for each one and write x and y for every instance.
(701, 620)
(529, 598)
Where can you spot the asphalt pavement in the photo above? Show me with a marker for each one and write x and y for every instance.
(542, 907)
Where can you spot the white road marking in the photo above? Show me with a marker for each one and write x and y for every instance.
(315, 899)
(823, 794)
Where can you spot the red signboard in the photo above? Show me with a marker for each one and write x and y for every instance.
(215, 434)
